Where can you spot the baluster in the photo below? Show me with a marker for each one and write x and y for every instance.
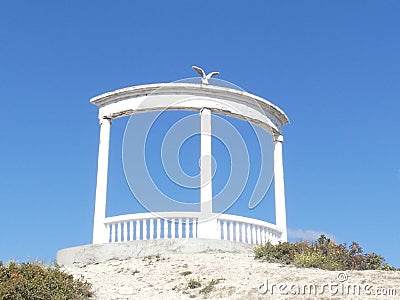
(138, 230)
(248, 233)
(253, 234)
(108, 233)
(125, 231)
(158, 228)
(244, 231)
(172, 228)
(119, 232)
(144, 229)
(243, 225)
(263, 239)
(151, 235)
(237, 237)
(194, 228)
(225, 229)
(131, 230)
(219, 229)
(230, 230)
(187, 228)
(180, 228)
(258, 235)
(112, 233)
(165, 228)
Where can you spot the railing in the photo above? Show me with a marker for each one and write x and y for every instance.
(147, 226)
(247, 230)
(166, 225)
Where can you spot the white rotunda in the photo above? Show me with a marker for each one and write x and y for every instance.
(203, 226)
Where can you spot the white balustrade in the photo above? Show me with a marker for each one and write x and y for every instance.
(147, 226)
(247, 230)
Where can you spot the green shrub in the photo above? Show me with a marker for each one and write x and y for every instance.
(193, 283)
(210, 286)
(34, 281)
(324, 254)
(280, 253)
(315, 259)
(185, 273)
(374, 261)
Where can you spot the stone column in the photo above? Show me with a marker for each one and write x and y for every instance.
(100, 234)
(207, 226)
(280, 206)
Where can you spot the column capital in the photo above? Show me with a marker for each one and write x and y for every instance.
(205, 110)
(103, 118)
(277, 138)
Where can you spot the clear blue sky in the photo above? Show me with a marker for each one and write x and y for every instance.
(333, 66)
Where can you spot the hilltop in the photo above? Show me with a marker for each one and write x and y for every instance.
(228, 276)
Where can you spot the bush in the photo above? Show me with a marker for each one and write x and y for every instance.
(193, 283)
(315, 259)
(210, 286)
(283, 253)
(324, 254)
(20, 281)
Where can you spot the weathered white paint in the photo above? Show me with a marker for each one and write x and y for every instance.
(187, 96)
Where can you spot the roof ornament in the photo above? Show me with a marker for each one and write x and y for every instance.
(204, 77)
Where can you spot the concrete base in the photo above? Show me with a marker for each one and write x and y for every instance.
(98, 253)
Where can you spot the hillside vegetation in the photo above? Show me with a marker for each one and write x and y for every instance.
(34, 281)
(323, 254)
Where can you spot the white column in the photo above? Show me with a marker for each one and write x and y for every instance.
(100, 234)
(207, 226)
(280, 207)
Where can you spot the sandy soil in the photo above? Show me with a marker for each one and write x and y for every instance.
(229, 276)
